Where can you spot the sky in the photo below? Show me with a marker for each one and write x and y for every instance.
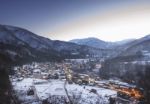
(109, 20)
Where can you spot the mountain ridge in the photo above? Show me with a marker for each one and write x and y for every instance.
(97, 43)
(20, 44)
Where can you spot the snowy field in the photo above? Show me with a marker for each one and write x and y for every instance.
(45, 88)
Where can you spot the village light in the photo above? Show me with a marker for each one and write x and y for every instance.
(69, 76)
(131, 92)
(90, 80)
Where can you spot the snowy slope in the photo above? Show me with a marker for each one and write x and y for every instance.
(56, 88)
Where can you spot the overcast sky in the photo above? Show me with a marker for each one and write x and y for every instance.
(109, 20)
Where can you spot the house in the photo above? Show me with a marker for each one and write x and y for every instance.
(37, 73)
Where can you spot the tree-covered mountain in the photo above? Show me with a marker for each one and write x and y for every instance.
(133, 53)
(22, 45)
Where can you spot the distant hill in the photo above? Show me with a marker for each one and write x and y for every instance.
(97, 43)
(93, 42)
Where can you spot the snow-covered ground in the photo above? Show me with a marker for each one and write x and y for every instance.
(46, 88)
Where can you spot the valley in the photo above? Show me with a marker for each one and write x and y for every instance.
(74, 52)
(40, 68)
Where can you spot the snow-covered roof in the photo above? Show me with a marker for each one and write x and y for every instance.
(36, 70)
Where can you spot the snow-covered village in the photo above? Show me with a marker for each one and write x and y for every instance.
(60, 83)
(74, 51)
